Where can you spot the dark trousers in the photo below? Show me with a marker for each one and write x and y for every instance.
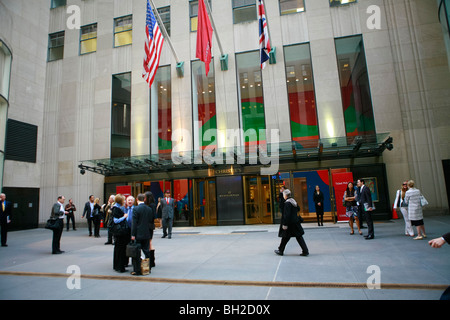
(70, 216)
(368, 217)
(89, 222)
(319, 219)
(360, 215)
(4, 232)
(120, 259)
(167, 224)
(145, 246)
(57, 233)
(96, 221)
(300, 241)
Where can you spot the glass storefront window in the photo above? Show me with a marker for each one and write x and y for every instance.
(204, 106)
(335, 3)
(355, 87)
(250, 90)
(300, 84)
(121, 115)
(161, 112)
(123, 31)
(291, 6)
(88, 40)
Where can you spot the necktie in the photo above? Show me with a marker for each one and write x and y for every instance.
(3, 205)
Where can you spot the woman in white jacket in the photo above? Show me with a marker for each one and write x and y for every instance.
(400, 204)
(412, 199)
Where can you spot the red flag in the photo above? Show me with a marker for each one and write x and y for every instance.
(204, 36)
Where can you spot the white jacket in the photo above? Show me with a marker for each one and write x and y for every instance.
(412, 199)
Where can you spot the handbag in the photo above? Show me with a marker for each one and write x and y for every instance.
(133, 250)
(52, 224)
(423, 201)
(120, 229)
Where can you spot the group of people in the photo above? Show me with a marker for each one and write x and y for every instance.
(137, 214)
(359, 206)
(410, 201)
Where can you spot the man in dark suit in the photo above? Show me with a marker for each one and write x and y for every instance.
(142, 230)
(58, 213)
(365, 201)
(167, 205)
(5, 217)
(87, 211)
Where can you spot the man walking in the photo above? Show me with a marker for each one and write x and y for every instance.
(5, 218)
(167, 208)
(88, 210)
(70, 208)
(141, 230)
(365, 201)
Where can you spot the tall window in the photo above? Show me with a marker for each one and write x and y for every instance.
(164, 14)
(355, 88)
(5, 76)
(193, 13)
(291, 6)
(300, 85)
(244, 10)
(55, 46)
(88, 39)
(123, 31)
(250, 89)
(335, 3)
(161, 112)
(204, 106)
(121, 115)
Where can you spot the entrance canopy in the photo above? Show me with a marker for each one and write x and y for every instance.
(257, 155)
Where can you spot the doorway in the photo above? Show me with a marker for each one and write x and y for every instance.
(258, 200)
(205, 209)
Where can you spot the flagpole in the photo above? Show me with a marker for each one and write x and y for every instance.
(214, 26)
(267, 22)
(164, 31)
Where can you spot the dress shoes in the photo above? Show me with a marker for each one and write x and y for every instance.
(304, 254)
(369, 237)
(278, 252)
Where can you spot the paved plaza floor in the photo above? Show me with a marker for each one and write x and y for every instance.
(233, 263)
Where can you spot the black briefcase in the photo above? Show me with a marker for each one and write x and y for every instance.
(134, 250)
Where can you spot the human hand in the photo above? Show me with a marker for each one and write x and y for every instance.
(436, 243)
(284, 227)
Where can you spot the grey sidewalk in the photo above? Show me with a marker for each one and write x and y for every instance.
(194, 256)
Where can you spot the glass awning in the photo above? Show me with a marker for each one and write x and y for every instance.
(258, 155)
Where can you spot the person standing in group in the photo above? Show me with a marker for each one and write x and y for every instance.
(159, 213)
(70, 208)
(167, 208)
(120, 259)
(129, 206)
(142, 230)
(150, 201)
(351, 208)
(58, 213)
(366, 204)
(109, 218)
(88, 210)
(318, 201)
(399, 203)
(360, 213)
(415, 212)
(5, 218)
(291, 225)
(96, 217)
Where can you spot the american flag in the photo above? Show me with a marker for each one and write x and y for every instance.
(264, 43)
(153, 46)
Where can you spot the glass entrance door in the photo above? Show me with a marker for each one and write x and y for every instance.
(258, 200)
(205, 211)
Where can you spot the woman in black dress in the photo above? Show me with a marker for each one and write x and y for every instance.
(318, 201)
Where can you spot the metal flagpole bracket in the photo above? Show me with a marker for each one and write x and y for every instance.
(224, 62)
(180, 69)
(273, 56)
